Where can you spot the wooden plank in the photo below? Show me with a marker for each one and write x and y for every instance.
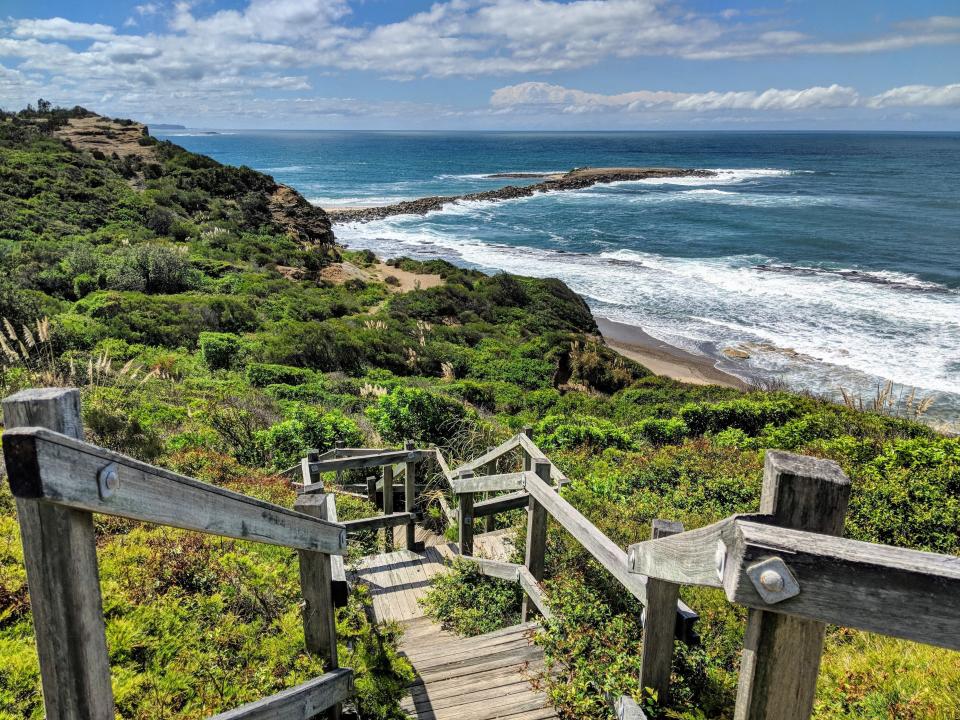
(298, 703)
(536, 545)
(442, 463)
(362, 462)
(465, 516)
(498, 569)
(491, 520)
(60, 555)
(378, 521)
(781, 654)
(888, 590)
(625, 707)
(688, 558)
(501, 449)
(606, 552)
(487, 483)
(316, 584)
(659, 623)
(45, 465)
(556, 475)
(533, 590)
(501, 503)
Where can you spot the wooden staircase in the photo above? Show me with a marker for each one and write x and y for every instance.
(476, 678)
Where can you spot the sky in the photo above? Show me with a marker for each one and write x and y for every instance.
(491, 64)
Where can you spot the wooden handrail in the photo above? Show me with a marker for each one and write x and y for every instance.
(488, 483)
(47, 466)
(302, 702)
(888, 590)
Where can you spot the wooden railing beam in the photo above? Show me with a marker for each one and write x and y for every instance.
(302, 702)
(60, 470)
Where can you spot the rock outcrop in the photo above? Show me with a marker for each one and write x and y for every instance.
(573, 180)
(305, 223)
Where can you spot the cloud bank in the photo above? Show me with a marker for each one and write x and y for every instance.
(268, 58)
(544, 96)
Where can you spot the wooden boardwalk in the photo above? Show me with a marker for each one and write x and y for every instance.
(479, 678)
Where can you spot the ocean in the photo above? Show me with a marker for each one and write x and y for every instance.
(831, 259)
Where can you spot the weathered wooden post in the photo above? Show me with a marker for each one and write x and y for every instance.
(465, 517)
(60, 554)
(781, 653)
(337, 447)
(490, 522)
(659, 625)
(536, 533)
(316, 584)
(410, 495)
(372, 490)
(388, 504)
(527, 457)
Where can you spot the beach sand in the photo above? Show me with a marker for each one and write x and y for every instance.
(662, 358)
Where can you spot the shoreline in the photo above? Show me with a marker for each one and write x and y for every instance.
(662, 358)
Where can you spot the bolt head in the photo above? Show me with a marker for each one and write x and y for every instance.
(772, 580)
(112, 480)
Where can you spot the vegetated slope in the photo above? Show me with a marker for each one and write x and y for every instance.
(205, 338)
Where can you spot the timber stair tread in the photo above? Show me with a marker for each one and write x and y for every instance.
(486, 677)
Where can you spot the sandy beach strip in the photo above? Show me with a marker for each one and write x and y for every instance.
(662, 358)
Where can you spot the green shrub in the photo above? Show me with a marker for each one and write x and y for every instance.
(661, 431)
(221, 351)
(749, 414)
(556, 432)
(415, 414)
(261, 375)
(309, 428)
(470, 603)
(70, 331)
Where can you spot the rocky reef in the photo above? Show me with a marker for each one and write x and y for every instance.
(574, 180)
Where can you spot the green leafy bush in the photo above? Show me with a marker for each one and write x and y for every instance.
(661, 431)
(470, 603)
(749, 414)
(261, 375)
(308, 428)
(221, 350)
(415, 414)
(553, 432)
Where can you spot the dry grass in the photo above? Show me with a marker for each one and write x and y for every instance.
(886, 401)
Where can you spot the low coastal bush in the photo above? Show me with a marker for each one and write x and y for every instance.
(469, 603)
(415, 414)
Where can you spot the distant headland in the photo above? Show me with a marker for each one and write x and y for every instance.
(576, 179)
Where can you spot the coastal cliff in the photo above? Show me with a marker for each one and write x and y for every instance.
(576, 179)
(141, 158)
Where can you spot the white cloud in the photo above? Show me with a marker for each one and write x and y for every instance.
(567, 100)
(540, 97)
(59, 28)
(918, 96)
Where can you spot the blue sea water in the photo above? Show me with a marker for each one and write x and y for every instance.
(834, 258)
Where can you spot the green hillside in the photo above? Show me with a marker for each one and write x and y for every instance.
(214, 327)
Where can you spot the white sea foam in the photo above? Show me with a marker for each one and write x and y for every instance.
(862, 329)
